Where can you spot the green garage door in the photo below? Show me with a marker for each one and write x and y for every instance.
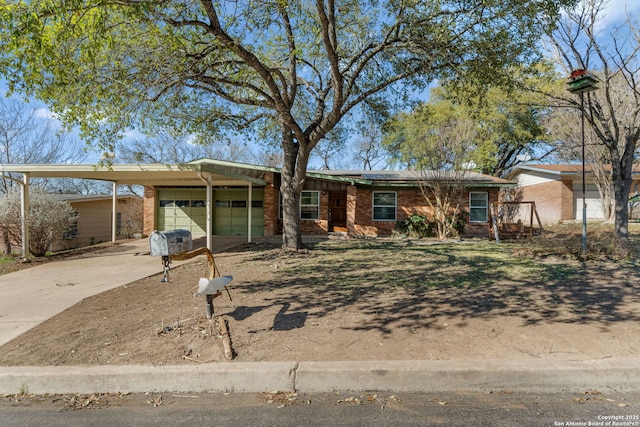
(183, 209)
(231, 212)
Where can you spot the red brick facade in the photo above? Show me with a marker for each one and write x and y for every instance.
(149, 210)
(409, 202)
(271, 206)
(359, 209)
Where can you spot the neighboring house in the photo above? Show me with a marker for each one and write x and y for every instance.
(95, 221)
(213, 197)
(557, 191)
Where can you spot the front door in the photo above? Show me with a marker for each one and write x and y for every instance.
(338, 211)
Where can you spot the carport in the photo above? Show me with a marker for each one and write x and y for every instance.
(204, 172)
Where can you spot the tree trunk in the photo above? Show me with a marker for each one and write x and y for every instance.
(622, 180)
(7, 241)
(290, 188)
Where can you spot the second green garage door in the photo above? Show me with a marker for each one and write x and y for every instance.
(186, 209)
(231, 212)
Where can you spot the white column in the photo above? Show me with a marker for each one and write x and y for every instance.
(209, 214)
(114, 199)
(24, 206)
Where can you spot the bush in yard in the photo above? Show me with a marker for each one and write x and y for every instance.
(421, 226)
(49, 218)
(459, 222)
(416, 226)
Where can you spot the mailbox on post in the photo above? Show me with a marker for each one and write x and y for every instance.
(177, 244)
(167, 243)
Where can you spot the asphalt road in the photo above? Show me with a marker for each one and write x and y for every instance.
(588, 408)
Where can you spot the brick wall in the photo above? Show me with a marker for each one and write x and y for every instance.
(272, 226)
(359, 211)
(149, 218)
(554, 200)
(410, 201)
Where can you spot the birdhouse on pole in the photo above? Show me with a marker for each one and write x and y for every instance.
(581, 81)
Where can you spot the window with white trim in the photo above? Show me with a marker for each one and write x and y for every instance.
(478, 206)
(384, 205)
(309, 205)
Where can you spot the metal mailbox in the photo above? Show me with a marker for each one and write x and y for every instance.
(167, 243)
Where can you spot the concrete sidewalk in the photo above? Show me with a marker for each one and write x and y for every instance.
(33, 295)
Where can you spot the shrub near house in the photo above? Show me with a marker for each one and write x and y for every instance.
(49, 217)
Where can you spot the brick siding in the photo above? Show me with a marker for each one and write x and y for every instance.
(149, 219)
(554, 200)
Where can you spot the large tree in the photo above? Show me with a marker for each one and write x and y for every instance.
(583, 40)
(507, 124)
(510, 128)
(283, 70)
(437, 140)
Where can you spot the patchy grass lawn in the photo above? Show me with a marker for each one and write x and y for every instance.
(360, 299)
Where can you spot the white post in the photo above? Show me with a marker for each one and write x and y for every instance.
(24, 206)
(209, 214)
(114, 199)
(209, 191)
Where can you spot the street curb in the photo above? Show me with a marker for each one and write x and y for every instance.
(470, 375)
(537, 375)
(223, 377)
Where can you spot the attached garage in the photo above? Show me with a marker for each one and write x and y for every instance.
(187, 209)
(231, 212)
(594, 203)
(182, 208)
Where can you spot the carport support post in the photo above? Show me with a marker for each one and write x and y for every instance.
(24, 206)
(209, 191)
(114, 200)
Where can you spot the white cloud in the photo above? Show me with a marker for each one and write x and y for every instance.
(134, 134)
(44, 113)
(615, 11)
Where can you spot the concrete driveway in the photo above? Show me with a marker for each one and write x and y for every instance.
(33, 295)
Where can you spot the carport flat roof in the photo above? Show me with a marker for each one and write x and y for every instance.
(156, 174)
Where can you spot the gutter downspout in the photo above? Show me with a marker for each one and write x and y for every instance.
(209, 192)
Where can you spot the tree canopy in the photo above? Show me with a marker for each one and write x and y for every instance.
(494, 131)
(286, 71)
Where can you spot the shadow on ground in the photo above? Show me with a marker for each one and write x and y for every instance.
(445, 280)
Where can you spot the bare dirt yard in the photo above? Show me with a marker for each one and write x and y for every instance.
(358, 299)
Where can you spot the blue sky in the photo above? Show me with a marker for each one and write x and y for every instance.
(614, 13)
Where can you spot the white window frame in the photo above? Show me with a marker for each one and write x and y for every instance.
(316, 206)
(374, 206)
(485, 206)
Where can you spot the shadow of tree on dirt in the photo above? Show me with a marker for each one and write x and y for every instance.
(403, 284)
